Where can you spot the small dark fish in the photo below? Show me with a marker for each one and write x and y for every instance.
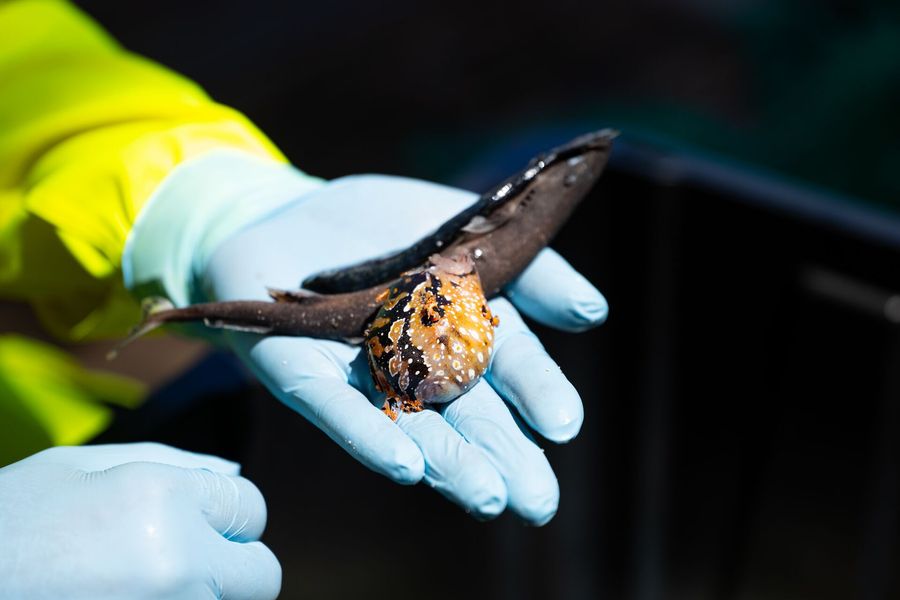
(500, 234)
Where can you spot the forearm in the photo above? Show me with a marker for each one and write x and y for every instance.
(88, 131)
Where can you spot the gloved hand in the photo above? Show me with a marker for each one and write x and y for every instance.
(472, 451)
(132, 521)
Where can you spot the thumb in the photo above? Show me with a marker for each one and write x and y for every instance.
(232, 505)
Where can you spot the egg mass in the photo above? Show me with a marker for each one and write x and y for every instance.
(432, 338)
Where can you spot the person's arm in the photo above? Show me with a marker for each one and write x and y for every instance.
(87, 133)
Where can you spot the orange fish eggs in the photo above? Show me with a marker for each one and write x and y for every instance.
(432, 338)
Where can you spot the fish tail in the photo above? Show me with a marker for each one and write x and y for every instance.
(152, 308)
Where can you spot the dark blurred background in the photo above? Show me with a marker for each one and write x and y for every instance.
(742, 416)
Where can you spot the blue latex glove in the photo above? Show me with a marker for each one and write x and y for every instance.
(472, 451)
(132, 521)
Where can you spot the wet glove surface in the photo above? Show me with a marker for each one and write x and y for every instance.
(132, 521)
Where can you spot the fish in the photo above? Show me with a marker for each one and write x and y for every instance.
(466, 261)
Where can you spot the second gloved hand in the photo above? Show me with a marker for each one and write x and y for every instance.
(132, 521)
(270, 226)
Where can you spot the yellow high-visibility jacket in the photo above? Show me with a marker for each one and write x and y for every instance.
(87, 132)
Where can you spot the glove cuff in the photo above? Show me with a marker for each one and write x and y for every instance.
(199, 205)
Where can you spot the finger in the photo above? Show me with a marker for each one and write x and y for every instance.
(458, 470)
(306, 375)
(245, 571)
(233, 506)
(348, 418)
(482, 418)
(551, 292)
(107, 456)
(526, 377)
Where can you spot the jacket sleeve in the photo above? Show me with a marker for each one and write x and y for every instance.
(87, 132)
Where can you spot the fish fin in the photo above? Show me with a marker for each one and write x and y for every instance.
(150, 307)
(220, 324)
(480, 224)
(456, 264)
(299, 295)
(390, 411)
